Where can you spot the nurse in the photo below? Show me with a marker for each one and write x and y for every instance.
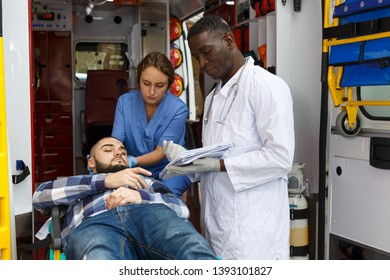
(146, 117)
(244, 208)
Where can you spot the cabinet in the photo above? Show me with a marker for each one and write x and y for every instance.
(224, 10)
(53, 137)
(53, 110)
(53, 62)
(53, 113)
(262, 34)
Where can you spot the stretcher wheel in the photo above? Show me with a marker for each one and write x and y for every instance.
(343, 126)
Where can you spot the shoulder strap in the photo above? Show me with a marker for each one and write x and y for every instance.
(355, 29)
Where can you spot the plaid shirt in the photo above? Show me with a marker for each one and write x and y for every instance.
(84, 195)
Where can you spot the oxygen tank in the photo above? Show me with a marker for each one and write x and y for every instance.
(299, 230)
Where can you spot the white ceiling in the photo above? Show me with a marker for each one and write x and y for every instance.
(183, 9)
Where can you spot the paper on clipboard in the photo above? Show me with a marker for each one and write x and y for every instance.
(189, 156)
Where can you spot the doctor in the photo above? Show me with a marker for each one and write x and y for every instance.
(245, 210)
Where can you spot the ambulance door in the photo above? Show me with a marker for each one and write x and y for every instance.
(358, 187)
(18, 95)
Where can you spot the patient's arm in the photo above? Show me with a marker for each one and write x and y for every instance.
(67, 191)
(157, 193)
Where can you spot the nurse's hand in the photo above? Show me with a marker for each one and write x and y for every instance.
(199, 165)
(172, 150)
(132, 161)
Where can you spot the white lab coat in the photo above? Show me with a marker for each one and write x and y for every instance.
(245, 211)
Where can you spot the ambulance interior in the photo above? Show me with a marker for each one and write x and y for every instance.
(84, 54)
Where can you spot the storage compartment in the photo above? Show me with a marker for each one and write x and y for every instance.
(52, 172)
(54, 155)
(53, 138)
(53, 121)
(53, 107)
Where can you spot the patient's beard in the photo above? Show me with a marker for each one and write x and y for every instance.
(104, 168)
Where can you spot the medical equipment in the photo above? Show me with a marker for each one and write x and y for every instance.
(234, 88)
(299, 229)
(356, 42)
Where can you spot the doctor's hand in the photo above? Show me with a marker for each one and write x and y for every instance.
(199, 165)
(172, 150)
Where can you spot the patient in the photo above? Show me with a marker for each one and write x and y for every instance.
(119, 214)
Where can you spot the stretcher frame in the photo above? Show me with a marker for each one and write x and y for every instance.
(347, 122)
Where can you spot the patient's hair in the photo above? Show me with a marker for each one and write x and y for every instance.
(94, 147)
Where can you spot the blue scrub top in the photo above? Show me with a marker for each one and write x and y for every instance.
(141, 137)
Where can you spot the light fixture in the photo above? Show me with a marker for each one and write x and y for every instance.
(230, 3)
(89, 8)
(93, 3)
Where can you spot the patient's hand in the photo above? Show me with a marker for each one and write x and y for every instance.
(127, 177)
(123, 196)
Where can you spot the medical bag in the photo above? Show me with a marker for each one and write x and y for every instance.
(263, 7)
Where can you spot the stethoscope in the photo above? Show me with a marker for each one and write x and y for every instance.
(234, 88)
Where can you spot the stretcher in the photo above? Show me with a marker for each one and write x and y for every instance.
(56, 243)
(53, 241)
(356, 41)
